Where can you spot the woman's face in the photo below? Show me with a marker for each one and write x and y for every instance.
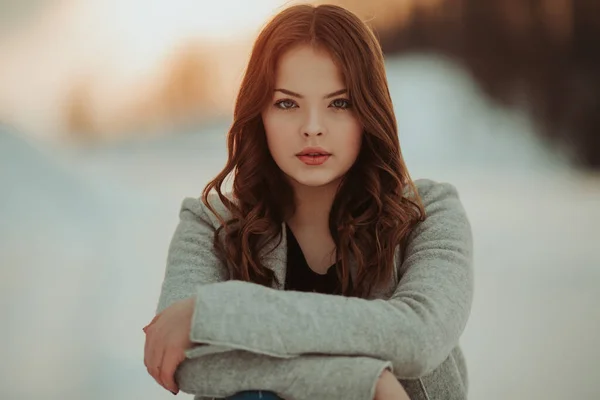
(312, 131)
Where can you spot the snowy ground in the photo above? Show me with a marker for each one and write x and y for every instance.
(84, 235)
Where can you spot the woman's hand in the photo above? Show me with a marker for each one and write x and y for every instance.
(167, 338)
(388, 388)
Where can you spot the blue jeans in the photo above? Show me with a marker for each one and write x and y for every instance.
(254, 395)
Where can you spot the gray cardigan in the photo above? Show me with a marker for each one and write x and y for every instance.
(310, 346)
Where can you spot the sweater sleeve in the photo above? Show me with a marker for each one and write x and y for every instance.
(415, 329)
(220, 371)
(310, 377)
(191, 259)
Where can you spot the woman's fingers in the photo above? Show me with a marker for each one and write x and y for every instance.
(147, 353)
(155, 353)
(166, 341)
(171, 361)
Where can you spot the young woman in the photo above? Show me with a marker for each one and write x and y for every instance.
(326, 273)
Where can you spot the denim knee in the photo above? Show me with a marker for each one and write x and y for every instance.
(254, 395)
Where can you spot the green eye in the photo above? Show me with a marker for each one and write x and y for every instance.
(341, 103)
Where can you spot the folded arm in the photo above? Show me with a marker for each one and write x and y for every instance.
(301, 378)
(219, 371)
(415, 329)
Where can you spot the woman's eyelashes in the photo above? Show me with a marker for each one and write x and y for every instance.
(287, 104)
(342, 104)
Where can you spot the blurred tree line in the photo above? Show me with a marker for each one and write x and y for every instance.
(540, 54)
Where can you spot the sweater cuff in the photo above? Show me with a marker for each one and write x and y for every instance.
(348, 378)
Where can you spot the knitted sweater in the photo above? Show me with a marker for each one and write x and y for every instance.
(312, 346)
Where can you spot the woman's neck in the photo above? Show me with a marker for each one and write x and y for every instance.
(313, 205)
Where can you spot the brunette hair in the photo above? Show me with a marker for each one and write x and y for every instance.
(377, 203)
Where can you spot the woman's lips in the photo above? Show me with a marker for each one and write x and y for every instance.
(314, 160)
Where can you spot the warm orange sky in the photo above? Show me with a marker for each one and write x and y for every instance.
(126, 63)
(113, 52)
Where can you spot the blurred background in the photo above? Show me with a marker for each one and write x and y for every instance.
(114, 111)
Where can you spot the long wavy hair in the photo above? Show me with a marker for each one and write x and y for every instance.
(376, 205)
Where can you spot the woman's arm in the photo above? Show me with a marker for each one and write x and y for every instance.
(300, 378)
(415, 329)
(217, 371)
(191, 260)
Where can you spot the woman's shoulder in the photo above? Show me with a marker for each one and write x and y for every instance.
(444, 210)
(437, 196)
(430, 190)
(441, 201)
(196, 207)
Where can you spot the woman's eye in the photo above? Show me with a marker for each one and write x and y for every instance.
(285, 104)
(341, 103)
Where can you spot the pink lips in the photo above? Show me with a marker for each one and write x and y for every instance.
(314, 160)
(313, 155)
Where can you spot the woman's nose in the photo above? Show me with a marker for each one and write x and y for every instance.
(314, 125)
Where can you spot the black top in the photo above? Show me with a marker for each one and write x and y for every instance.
(301, 278)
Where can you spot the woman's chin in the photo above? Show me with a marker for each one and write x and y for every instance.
(316, 182)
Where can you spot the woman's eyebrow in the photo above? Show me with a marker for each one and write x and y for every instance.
(328, 96)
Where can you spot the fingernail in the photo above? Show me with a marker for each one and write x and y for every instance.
(172, 392)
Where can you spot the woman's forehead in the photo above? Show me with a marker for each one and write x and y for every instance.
(305, 68)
